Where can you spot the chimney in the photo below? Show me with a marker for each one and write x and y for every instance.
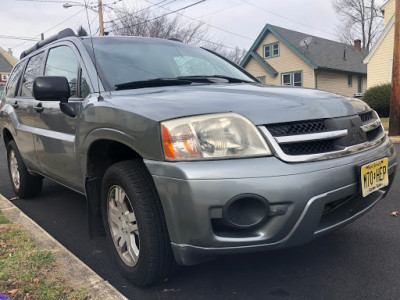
(10, 51)
(357, 45)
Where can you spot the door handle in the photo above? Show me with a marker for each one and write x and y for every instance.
(39, 107)
(15, 105)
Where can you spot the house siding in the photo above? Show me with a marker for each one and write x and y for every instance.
(337, 83)
(255, 69)
(379, 65)
(287, 61)
(389, 12)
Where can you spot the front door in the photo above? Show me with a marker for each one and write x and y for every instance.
(55, 138)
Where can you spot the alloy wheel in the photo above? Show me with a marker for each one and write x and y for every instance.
(14, 170)
(123, 225)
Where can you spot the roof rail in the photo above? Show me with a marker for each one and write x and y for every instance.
(62, 34)
(175, 39)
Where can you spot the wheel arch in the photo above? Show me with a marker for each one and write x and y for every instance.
(7, 136)
(102, 148)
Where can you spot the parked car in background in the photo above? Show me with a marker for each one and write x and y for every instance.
(184, 156)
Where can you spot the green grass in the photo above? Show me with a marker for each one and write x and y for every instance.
(385, 120)
(27, 272)
(3, 219)
(385, 123)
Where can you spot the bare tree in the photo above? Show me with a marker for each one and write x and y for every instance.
(236, 55)
(360, 19)
(147, 23)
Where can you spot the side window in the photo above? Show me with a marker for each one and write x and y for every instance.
(63, 62)
(31, 72)
(85, 90)
(12, 83)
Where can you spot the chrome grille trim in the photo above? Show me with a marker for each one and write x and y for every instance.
(311, 137)
(321, 156)
(371, 126)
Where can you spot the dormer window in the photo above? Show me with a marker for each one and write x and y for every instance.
(271, 50)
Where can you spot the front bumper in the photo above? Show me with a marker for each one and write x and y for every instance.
(306, 200)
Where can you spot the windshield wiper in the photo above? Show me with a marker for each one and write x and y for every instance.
(151, 83)
(209, 78)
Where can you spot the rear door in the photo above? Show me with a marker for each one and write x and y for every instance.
(55, 137)
(19, 95)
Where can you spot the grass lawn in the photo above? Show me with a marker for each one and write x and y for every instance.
(385, 122)
(27, 272)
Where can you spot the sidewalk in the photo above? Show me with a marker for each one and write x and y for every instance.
(395, 139)
(72, 267)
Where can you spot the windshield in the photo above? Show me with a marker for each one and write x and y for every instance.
(125, 60)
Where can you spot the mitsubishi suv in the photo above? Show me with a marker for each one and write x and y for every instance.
(182, 155)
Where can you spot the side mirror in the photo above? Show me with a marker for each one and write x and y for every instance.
(53, 88)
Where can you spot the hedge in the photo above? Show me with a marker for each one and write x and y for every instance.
(378, 98)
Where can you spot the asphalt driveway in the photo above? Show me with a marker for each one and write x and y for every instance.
(360, 261)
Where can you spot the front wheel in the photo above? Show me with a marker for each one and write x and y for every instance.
(136, 230)
(24, 184)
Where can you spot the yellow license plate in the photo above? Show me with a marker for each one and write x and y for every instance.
(374, 176)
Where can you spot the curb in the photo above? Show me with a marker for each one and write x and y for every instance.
(76, 272)
(395, 139)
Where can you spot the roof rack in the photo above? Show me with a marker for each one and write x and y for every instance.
(175, 39)
(62, 34)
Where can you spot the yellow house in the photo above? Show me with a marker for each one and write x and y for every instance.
(380, 60)
(285, 57)
(7, 62)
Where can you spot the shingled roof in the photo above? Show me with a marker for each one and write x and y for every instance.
(7, 62)
(319, 54)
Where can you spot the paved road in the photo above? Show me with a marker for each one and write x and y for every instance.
(360, 261)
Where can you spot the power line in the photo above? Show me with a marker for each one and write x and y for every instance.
(17, 38)
(134, 13)
(202, 22)
(224, 9)
(55, 1)
(171, 12)
(52, 27)
(283, 17)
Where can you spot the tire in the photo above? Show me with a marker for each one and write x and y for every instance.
(24, 184)
(134, 221)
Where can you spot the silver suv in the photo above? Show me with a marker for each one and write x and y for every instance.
(184, 156)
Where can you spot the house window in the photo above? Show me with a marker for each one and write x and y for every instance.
(286, 79)
(271, 50)
(297, 80)
(292, 78)
(350, 80)
(262, 79)
(4, 77)
(360, 84)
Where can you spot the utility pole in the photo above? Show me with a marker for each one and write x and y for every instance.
(100, 11)
(394, 123)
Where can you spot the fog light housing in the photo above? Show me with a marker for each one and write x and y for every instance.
(246, 211)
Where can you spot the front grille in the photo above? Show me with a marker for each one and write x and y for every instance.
(365, 117)
(374, 133)
(325, 136)
(308, 147)
(302, 127)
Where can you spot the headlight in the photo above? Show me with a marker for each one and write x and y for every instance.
(226, 135)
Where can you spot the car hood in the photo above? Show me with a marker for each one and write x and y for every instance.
(260, 104)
